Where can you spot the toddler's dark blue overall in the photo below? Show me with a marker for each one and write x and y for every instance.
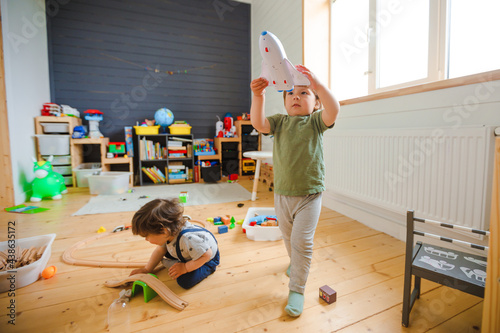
(190, 279)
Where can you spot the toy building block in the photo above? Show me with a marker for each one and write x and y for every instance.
(226, 220)
(148, 292)
(327, 294)
(183, 197)
(223, 229)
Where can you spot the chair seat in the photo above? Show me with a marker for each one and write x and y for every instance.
(455, 269)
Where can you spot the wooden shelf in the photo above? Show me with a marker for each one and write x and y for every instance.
(76, 146)
(163, 163)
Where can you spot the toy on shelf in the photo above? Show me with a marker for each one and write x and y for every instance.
(219, 128)
(94, 117)
(70, 111)
(116, 148)
(203, 147)
(51, 109)
(276, 68)
(229, 128)
(164, 117)
(180, 127)
(129, 144)
(47, 182)
(79, 132)
(225, 129)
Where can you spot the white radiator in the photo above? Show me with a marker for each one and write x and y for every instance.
(442, 174)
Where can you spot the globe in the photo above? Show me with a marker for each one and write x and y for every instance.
(164, 117)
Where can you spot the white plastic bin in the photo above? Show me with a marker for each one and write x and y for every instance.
(53, 144)
(55, 128)
(63, 170)
(110, 182)
(258, 233)
(26, 275)
(58, 160)
(83, 171)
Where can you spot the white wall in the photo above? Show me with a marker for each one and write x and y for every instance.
(27, 83)
(284, 19)
(457, 108)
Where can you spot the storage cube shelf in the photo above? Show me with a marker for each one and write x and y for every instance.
(165, 159)
(53, 139)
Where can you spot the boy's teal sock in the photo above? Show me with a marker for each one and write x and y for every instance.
(295, 304)
(288, 270)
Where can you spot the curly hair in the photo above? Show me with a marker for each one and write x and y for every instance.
(156, 215)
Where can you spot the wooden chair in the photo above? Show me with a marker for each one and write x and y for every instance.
(455, 269)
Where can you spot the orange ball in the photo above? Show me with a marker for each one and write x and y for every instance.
(49, 272)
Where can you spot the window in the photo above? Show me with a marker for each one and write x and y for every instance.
(381, 45)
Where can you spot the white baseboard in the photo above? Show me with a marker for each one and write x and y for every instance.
(377, 218)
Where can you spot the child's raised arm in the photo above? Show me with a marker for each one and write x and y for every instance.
(331, 106)
(155, 259)
(257, 111)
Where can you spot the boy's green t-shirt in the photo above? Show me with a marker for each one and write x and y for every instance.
(298, 164)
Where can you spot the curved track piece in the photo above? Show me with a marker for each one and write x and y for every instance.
(68, 258)
(161, 289)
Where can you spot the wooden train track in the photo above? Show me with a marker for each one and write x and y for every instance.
(161, 289)
(68, 257)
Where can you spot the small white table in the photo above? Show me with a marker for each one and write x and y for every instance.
(259, 156)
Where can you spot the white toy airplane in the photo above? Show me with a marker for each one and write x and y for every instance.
(276, 68)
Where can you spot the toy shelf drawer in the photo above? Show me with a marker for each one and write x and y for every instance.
(63, 170)
(55, 128)
(229, 155)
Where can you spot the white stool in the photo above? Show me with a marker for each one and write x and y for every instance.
(259, 156)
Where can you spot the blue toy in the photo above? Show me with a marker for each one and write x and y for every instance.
(78, 132)
(262, 218)
(223, 229)
(47, 182)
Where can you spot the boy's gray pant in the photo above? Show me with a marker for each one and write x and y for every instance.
(297, 219)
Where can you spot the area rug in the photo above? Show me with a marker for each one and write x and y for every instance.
(198, 194)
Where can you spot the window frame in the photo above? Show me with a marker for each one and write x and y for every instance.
(441, 83)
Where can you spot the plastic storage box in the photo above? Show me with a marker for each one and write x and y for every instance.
(53, 144)
(110, 182)
(63, 170)
(83, 171)
(59, 160)
(147, 130)
(55, 127)
(180, 129)
(26, 275)
(258, 233)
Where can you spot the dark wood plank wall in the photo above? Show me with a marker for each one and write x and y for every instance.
(99, 51)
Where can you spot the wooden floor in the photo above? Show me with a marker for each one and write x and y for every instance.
(247, 293)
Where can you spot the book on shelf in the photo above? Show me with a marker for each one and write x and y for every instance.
(175, 138)
(150, 150)
(154, 174)
(174, 143)
(177, 176)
